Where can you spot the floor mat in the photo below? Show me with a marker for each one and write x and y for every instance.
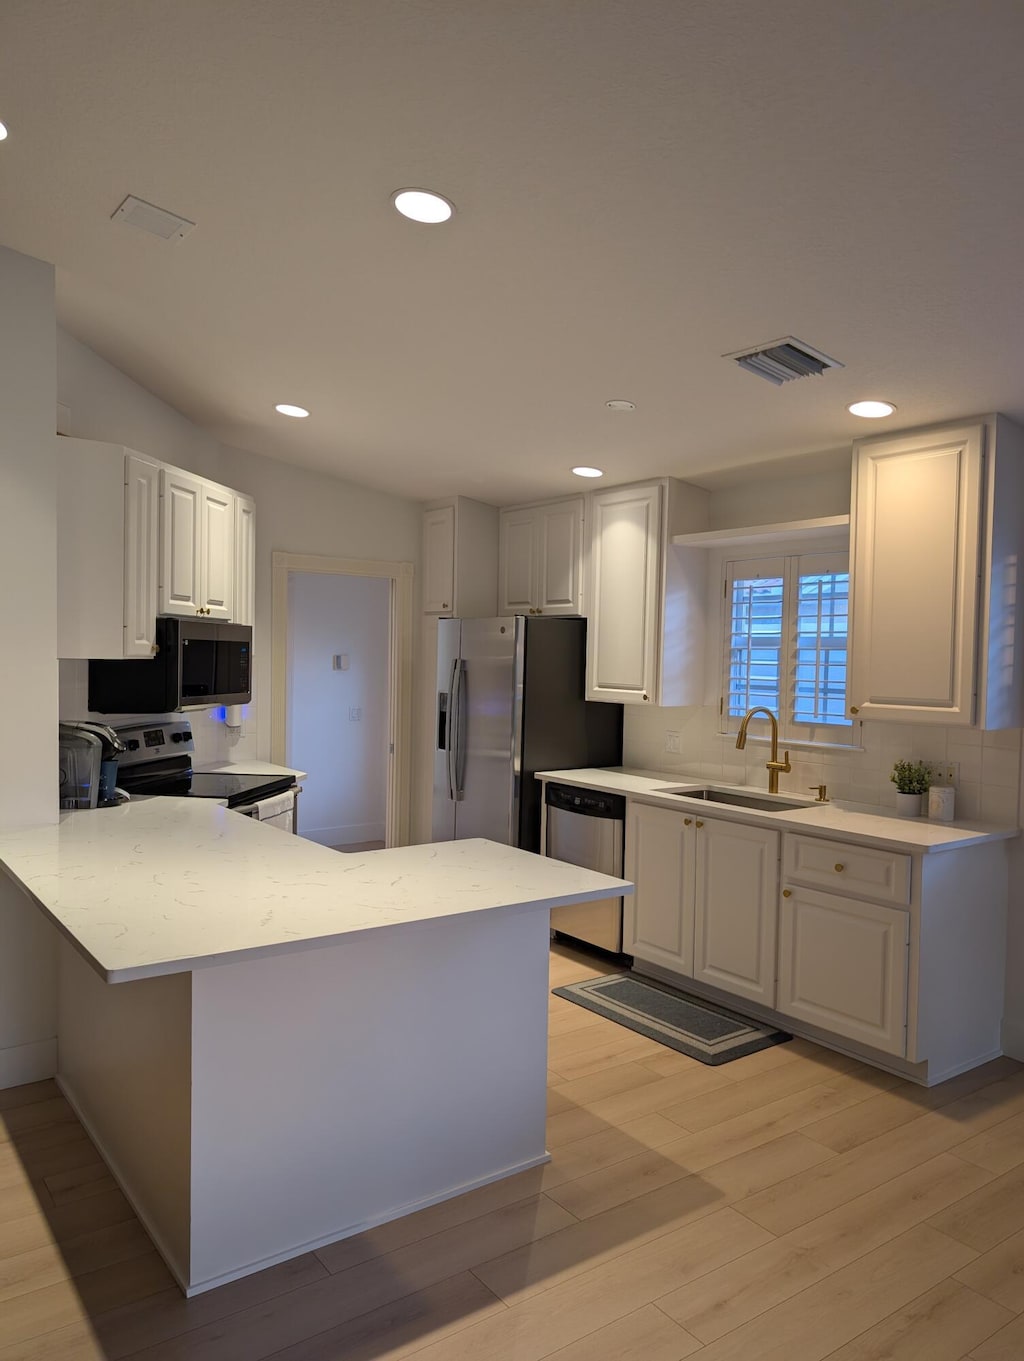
(688, 1024)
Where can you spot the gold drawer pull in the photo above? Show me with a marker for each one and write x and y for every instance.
(840, 868)
(699, 823)
(787, 893)
(687, 821)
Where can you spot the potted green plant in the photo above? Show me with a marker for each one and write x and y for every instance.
(911, 779)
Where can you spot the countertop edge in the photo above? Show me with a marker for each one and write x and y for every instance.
(644, 785)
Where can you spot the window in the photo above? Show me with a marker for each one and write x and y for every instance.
(785, 644)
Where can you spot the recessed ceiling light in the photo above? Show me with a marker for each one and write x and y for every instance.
(617, 404)
(422, 206)
(286, 409)
(873, 410)
(588, 472)
(3, 131)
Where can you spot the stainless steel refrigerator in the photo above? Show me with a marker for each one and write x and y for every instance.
(509, 703)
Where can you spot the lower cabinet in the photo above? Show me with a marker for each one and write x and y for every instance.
(659, 860)
(843, 966)
(898, 951)
(705, 898)
(736, 886)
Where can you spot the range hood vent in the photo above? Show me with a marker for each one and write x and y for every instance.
(781, 360)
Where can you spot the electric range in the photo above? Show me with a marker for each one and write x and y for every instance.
(158, 760)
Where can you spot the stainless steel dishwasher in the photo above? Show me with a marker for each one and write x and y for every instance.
(585, 828)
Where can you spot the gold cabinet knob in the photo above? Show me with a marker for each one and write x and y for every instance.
(645, 697)
(854, 709)
(687, 821)
(840, 868)
(540, 611)
(787, 893)
(699, 823)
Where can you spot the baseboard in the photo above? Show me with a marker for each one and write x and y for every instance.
(345, 834)
(1013, 1039)
(21, 1063)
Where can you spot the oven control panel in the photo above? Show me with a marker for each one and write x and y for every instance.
(149, 741)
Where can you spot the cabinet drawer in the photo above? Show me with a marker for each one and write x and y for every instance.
(842, 868)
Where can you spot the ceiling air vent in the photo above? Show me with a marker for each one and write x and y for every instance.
(781, 360)
(149, 218)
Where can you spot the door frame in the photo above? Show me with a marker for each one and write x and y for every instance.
(399, 671)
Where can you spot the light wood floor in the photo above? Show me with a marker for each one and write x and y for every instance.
(791, 1206)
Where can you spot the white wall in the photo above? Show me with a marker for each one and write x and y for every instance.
(28, 618)
(338, 720)
(105, 404)
(298, 511)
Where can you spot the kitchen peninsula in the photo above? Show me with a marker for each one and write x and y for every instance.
(275, 1046)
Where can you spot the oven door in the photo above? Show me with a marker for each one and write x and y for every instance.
(278, 810)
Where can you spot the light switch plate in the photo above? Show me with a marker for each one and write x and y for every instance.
(672, 742)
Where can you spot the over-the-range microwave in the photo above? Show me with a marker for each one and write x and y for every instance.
(198, 663)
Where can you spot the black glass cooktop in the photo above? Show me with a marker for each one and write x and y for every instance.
(201, 784)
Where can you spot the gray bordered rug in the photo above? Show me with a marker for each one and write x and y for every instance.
(702, 1030)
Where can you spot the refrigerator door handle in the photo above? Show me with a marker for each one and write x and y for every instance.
(459, 744)
(451, 730)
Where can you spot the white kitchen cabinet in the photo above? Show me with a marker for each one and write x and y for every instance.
(644, 597)
(439, 560)
(936, 613)
(460, 558)
(735, 907)
(218, 560)
(658, 918)
(197, 550)
(107, 550)
(705, 899)
(540, 558)
(843, 966)
(244, 611)
(904, 953)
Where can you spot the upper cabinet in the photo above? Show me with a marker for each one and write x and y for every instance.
(137, 538)
(937, 616)
(645, 597)
(540, 550)
(197, 561)
(245, 561)
(460, 558)
(108, 500)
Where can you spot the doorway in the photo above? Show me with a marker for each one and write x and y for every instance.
(341, 650)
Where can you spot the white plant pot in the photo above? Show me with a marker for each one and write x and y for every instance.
(908, 805)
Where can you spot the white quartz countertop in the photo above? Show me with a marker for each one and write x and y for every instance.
(251, 768)
(169, 885)
(816, 819)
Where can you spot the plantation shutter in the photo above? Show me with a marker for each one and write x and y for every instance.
(819, 652)
(755, 657)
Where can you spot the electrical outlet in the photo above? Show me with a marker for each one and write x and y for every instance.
(672, 742)
(946, 772)
(355, 715)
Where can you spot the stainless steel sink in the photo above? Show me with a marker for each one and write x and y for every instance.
(764, 803)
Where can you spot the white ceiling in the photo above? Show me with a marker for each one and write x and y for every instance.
(641, 186)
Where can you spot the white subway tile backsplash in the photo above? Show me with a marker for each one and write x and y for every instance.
(1006, 738)
(1000, 768)
(990, 763)
(999, 805)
